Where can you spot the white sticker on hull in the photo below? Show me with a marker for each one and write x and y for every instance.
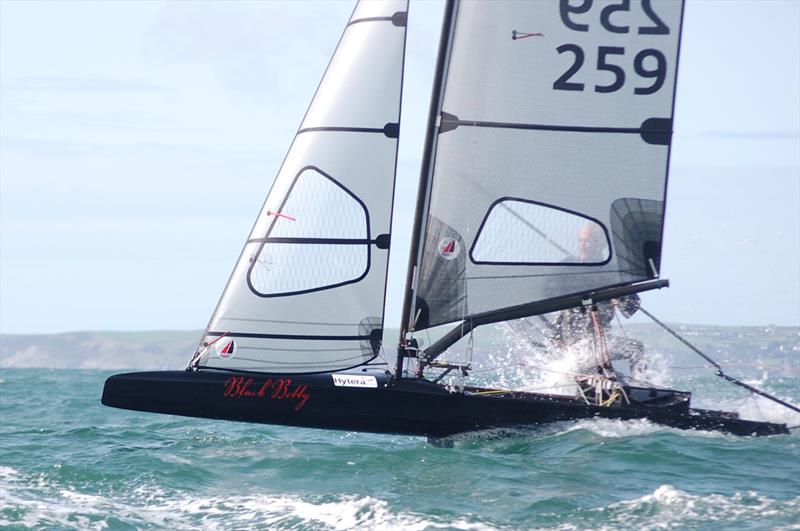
(354, 380)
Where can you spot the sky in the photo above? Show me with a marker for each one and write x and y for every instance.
(138, 140)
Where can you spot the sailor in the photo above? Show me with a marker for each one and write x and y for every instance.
(574, 325)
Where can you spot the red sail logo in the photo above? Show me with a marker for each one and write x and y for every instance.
(449, 248)
(228, 350)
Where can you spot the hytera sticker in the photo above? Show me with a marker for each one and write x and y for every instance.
(449, 248)
(354, 380)
(226, 349)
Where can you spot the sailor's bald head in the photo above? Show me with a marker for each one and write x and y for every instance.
(591, 243)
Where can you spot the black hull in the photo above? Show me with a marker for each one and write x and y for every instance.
(407, 407)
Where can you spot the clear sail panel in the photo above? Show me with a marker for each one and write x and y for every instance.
(549, 174)
(306, 294)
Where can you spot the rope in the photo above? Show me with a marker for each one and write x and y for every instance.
(495, 392)
(720, 372)
(611, 399)
(600, 337)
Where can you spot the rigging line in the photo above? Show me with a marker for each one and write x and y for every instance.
(533, 366)
(720, 372)
(495, 392)
(535, 229)
(524, 221)
(750, 365)
(280, 215)
(220, 337)
(646, 383)
(546, 321)
(529, 340)
(619, 322)
(601, 272)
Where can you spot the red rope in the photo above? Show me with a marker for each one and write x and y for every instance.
(220, 337)
(600, 337)
(280, 215)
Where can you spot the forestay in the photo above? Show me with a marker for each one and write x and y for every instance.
(550, 152)
(307, 292)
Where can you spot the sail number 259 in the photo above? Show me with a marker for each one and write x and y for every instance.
(649, 63)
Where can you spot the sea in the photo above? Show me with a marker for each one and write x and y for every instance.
(67, 462)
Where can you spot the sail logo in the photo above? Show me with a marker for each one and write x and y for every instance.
(354, 380)
(449, 248)
(228, 350)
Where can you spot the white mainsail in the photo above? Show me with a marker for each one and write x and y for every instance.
(307, 292)
(554, 126)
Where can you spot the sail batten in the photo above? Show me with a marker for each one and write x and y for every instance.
(547, 175)
(652, 130)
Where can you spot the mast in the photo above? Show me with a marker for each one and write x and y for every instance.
(423, 191)
(428, 160)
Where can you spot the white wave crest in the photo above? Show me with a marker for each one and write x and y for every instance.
(759, 408)
(616, 428)
(670, 508)
(39, 503)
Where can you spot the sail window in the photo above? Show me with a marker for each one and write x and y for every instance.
(523, 232)
(318, 239)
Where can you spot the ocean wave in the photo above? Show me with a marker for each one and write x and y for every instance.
(671, 508)
(605, 428)
(39, 502)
